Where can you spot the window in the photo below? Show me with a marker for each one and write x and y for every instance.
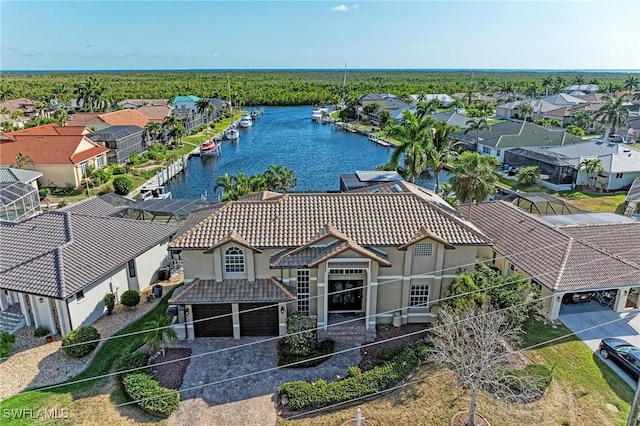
(618, 175)
(486, 150)
(419, 296)
(423, 250)
(99, 162)
(83, 168)
(303, 291)
(233, 260)
(498, 153)
(131, 266)
(80, 295)
(342, 271)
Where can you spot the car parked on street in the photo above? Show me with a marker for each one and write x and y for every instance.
(622, 353)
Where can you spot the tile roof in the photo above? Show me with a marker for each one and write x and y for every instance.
(155, 113)
(53, 149)
(94, 206)
(15, 104)
(292, 220)
(511, 134)
(79, 118)
(51, 130)
(143, 102)
(189, 98)
(232, 291)
(8, 174)
(559, 260)
(122, 117)
(56, 254)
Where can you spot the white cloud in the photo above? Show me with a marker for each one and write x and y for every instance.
(355, 7)
(341, 8)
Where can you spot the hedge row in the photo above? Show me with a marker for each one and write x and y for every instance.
(149, 395)
(81, 341)
(304, 395)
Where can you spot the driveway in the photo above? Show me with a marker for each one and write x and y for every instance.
(625, 325)
(242, 393)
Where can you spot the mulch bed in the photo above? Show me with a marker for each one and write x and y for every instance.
(171, 375)
(370, 353)
(462, 418)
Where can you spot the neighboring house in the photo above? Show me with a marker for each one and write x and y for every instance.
(563, 254)
(58, 266)
(27, 107)
(19, 198)
(584, 88)
(452, 119)
(156, 113)
(444, 99)
(61, 154)
(387, 101)
(137, 103)
(369, 254)
(515, 134)
(633, 129)
(99, 121)
(122, 141)
(512, 109)
(396, 115)
(475, 97)
(563, 99)
(185, 108)
(561, 164)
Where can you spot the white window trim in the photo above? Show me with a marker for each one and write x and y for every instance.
(232, 261)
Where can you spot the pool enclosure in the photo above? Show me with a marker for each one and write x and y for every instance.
(18, 201)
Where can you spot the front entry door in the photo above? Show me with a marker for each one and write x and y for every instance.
(345, 295)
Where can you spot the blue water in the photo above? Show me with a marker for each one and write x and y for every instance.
(317, 153)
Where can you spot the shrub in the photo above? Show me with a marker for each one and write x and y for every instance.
(44, 193)
(289, 357)
(6, 343)
(41, 331)
(575, 130)
(119, 170)
(109, 300)
(122, 185)
(536, 375)
(130, 361)
(354, 371)
(303, 395)
(62, 203)
(134, 160)
(303, 337)
(101, 176)
(80, 341)
(130, 298)
(151, 397)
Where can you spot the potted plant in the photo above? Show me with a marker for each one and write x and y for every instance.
(42, 331)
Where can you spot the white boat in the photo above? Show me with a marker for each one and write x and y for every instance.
(153, 192)
(255, 114)
(246, 121)
(210, 148)
(232, 134)
(320, 114)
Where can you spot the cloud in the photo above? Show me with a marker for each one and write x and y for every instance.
(341, 8)
(355, 7)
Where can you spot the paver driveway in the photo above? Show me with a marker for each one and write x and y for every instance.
(625, 325)
(231, 387)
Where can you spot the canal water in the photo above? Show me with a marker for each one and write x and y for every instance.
(317, 153)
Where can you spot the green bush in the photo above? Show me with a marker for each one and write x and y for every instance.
(44, 193)
(6, 343)
(122, 185)
(41, 331)
(304, 395)
(101, 176)
(130, 361)
(289, 357)
(135, 159)
(109, 300)
(151, 397)
(80, 341)
(130, 298)
(119, 170)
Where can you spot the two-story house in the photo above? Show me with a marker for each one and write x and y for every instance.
(371, 254)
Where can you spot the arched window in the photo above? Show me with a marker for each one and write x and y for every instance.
(233, 260)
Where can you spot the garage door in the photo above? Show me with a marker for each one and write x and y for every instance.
(218, 327)
(258, 322)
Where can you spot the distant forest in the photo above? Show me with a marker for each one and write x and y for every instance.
(295, 87)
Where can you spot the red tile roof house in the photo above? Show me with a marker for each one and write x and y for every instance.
(56, 267)
(61, 154)
(98, 121)
(387, 251)
(563, 254)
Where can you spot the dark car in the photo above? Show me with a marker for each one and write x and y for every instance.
(622, 353)
(577, 298)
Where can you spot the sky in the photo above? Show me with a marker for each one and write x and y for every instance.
(323, 34)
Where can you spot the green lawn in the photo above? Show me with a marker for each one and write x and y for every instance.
(71, 395)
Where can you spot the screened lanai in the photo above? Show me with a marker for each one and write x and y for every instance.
(18, 201)
(556, 166)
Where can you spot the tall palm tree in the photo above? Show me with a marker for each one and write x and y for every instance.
(582, 119)
(547, 82)
(631, 83)
(424, 109)
(528, 175)
(559, 83)
(611, 88)
(507, 88)
(472, 178)
(594, 81)
(92, 95)
(224, 182)
(613, 114)
(205, 107)
(170, 123)
(476, 125)
(526, 111)
(415, 140)
(442, 149)
(579, 79)
(592, 166)
(280, 178)
(532, 89)
(159, 334)
(457, 104)
(486, 109)
(6, 92)
(61, 116)
(153, 130)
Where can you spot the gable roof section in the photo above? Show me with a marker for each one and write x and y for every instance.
(155, 113)
(292, 220)
(189, 98)
(552, 257)
(233, 237)
(125, 117)
(615, 157)
(94, 206)
(9, 174)
(49, 149)
(232, 291)
(529, 135)
(56, 254)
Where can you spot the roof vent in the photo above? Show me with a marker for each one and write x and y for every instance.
(374, 190)
(397, 187)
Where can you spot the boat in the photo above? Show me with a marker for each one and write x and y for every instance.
(319, 114)
(246, 121)
(232, 134)
(255, 114)
(153, 192)
(210, 148)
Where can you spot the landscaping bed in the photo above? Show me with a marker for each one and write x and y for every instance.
(370, 353)
(171, 375)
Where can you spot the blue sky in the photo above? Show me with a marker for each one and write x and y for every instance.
(93, 35)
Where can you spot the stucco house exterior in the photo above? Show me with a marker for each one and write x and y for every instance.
(563, 254)
(56, 267)
(61, 154)
(371, 253)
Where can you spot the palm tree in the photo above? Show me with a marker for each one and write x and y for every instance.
(61, 116)
(472, 178)
(205, 107)
(592, 166)
(424, 109)
(532, 89)
(153, 130)
(526, 111)
(457, 104)
(594, 81)
(559, 83)
(631, 83)
(92, 95)
(414, 136)
(442, 149)
(486, 109)
(546, 83)
(528, 175)
(159, 334)
(448, 195)
(582, 119)
(280, 178)
(476, 125)
(225, 182)
(471, 287)
(170, 123)
(613, 114)
(507, 89)
(177, 133)
(579, 79)
(611, 88)
(6, 92)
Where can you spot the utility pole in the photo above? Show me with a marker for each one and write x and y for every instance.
(633, 414)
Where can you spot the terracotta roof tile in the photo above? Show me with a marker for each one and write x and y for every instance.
(49, 149)
(155, 113)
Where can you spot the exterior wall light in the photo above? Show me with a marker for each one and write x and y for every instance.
(282, 310)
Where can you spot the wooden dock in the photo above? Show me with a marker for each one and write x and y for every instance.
(169, 172)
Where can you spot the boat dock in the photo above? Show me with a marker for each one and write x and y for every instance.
(348, 127)
(380, 141)
(168, 173)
